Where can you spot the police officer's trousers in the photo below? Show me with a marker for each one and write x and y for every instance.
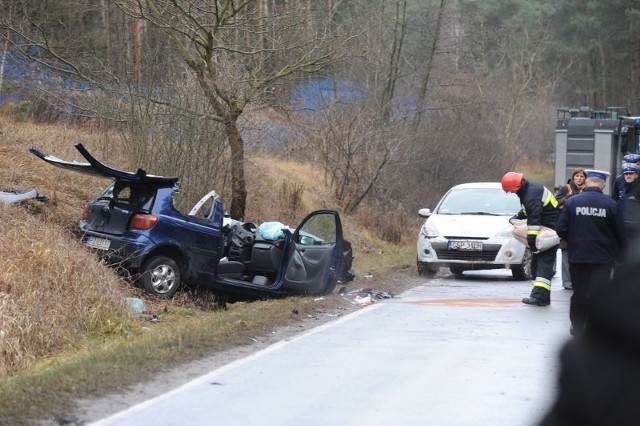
(585, 277)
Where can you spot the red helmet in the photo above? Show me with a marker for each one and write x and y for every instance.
(511, 181)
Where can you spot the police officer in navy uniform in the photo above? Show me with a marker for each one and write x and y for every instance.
(594, 228)
(619, 183)
(540, 207)
(629, 201)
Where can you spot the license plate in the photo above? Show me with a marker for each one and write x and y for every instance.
(98, 243)
(465, 245)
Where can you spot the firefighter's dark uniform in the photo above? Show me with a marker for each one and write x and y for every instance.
(591, 223)
(539, 207)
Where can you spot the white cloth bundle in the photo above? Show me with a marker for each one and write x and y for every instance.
(546, 238)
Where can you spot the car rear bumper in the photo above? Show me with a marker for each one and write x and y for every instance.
(127, 251)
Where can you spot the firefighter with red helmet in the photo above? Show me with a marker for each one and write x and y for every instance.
(539, 208)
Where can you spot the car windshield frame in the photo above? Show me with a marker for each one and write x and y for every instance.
(478, 201)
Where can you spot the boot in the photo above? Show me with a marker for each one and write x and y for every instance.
(539, 297)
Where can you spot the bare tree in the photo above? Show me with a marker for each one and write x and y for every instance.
(234, 49)
(235, 52)
(354, 146)
(633, 16)
(525, 89)
(399, 33)
(7, 10)
(436, 31)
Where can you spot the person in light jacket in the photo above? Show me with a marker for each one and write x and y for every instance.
(574, 186)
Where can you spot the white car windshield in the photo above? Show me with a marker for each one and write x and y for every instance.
(479, 201)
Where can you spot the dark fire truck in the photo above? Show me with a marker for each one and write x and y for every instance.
(594, 139)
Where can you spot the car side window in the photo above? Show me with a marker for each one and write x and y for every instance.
(318, 230)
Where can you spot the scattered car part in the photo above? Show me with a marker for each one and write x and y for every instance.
(15, 196)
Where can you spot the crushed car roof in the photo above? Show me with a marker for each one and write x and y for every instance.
(95, 168)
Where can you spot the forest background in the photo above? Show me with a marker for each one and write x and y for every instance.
(372, 107)
(395, 100)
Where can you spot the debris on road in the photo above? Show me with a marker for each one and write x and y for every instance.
(365, 296)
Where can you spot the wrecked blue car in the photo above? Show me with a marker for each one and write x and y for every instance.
(134, 225)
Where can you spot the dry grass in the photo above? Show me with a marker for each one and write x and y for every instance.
(52, 292)
(286, 190)
(68, 193)
(538, 172)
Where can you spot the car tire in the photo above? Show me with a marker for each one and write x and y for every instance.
(161, 276)
(522, 272)
(427, 270)
(456, 270)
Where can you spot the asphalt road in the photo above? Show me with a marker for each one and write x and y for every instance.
(451, 352)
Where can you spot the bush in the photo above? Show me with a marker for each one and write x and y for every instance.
(22, 111)
(390, 226)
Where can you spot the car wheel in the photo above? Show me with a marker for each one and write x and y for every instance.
(427, 270)
(161, 276)
(456, 270)
(522, 272)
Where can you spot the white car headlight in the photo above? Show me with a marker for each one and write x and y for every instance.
(428, 230)
(506, 232)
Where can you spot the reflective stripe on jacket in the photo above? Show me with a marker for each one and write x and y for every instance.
(539, 206)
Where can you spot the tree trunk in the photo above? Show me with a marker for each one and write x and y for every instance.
(8, 10)
(394, 60)
(238, 186)
(106, 30)
(427, 72)
(3, 57)
(136, 27)
(634, 52)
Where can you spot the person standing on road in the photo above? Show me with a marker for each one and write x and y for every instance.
(574, 186)
(594, 229)
(629, 202)
(619, 183)
(539, 208)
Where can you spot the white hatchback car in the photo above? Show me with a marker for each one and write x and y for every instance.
(470, 229)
